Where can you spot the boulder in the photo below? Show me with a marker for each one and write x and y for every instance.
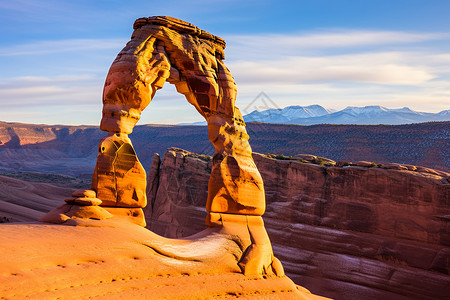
(84, 193)
(84, 201)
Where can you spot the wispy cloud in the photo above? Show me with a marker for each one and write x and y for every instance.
(78, 99)
(338, 56)
(330, 39)
(61, 46)
(46, 91)
(340, 68)
(380, 68)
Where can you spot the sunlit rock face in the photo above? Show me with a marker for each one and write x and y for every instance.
(348, 232)
(119, 177)
(167, 49)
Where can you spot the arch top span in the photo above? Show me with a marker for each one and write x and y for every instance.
(167, 49)
(182, 27)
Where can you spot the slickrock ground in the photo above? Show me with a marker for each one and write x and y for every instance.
(342, 232)
(22, 201)
(114, 259)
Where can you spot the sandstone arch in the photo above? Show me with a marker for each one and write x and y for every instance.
(167, 49)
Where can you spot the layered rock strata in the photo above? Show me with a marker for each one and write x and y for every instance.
(349, 232)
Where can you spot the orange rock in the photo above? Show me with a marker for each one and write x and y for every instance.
(85, 201)
(161, 49)
(364, 163)
(134, 215)
(258, 257)
(235, 185)
(394, 166)
(66, 212)
(84, 193)
(318, 217)
(119, 178)
(167, 49)
(124, 261)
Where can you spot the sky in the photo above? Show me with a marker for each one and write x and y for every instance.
(54, 55)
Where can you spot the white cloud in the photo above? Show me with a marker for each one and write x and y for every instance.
(289, 43)
(47, 91)
(62, 46)
(309, 57)
(78, 100)
(380, 68)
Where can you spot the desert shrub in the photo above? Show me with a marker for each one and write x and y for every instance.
(278, 156)
(204, 157)
(5, 220)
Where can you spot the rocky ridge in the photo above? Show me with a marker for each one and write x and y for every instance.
(346, 232)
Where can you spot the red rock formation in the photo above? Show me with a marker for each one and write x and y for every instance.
(119, 178)
(343, 232)
(165, 48)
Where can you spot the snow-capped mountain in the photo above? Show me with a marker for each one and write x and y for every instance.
(368, 115)
(287, 114)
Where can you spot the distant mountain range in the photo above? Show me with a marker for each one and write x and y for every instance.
(72, 150)
(368, 115)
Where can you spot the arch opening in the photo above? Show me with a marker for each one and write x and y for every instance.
(166, 49)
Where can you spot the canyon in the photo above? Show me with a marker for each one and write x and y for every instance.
(352, 232)
(72, 150)
(349, 231)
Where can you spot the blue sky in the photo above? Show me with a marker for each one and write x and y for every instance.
(54, 55)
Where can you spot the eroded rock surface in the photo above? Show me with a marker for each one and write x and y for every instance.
(164, 48)
(167, 49)
(344, 232)
(115, 259)
(119, 178)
